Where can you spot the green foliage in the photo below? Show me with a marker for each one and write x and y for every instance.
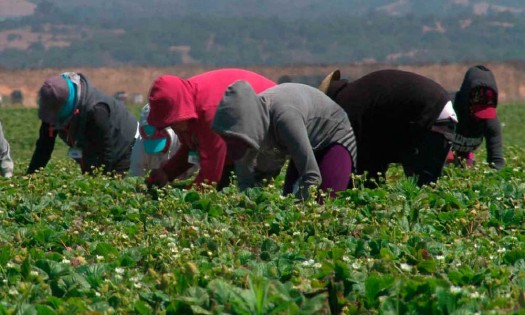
(237, 37)
(73, 244)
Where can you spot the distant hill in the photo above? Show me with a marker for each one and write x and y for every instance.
(289, 8)
(16, 8)
(126, 9)
(95, 33)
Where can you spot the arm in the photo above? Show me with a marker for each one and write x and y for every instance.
(292, 133)
(98, 149)
(43, 149)
(173, 168)
(178, 163)
(6, 163)
(212, 152)
(245, 171)
(494, 143)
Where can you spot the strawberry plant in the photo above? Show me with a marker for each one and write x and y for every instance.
(74, 244)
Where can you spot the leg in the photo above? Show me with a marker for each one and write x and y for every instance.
(335, 164)
(292, 175)
(121, 167)
(226, 176)
(428, 160)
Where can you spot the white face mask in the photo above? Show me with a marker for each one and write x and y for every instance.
(448, 112)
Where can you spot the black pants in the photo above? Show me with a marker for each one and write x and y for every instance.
(426, 161)
(226, 177)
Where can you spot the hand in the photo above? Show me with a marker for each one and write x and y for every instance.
(158, 178)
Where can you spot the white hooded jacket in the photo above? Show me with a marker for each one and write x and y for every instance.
(6, 163)
(142, 162)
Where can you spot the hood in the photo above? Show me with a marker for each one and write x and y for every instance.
(241, 113)
(144, 113)
(171, 99)
(477, 76)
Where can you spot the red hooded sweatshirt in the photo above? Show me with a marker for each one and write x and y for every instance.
(173, 99)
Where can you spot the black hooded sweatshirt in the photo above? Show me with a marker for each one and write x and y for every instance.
(390, 112)
(470, 130)
(101, 127)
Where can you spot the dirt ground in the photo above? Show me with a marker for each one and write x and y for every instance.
(510, 77)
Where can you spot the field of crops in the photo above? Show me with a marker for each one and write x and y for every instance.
(72, 244)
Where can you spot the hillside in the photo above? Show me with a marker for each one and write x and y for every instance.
(272, 33)
(288, 8)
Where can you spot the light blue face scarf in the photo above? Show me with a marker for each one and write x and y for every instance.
(67, 109)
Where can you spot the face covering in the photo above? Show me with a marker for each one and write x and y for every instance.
(67, 109)
(156, 141)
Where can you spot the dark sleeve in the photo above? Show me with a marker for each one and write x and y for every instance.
(98, 150)
(178, 163)
(494, 142)
(43, 149)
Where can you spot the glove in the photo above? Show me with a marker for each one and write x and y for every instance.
(158, 178)
(463, 159)
(450, 157)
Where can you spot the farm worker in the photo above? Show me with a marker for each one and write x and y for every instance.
(475, 104)
(98, 129)
(188, 107)
(398, 117)
(6, 163)
(153, 147)
(293, 120)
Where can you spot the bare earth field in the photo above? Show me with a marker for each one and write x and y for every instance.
(510, 77)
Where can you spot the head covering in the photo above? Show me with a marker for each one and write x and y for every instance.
(484, 111)
(478, 95)
(155, 141)
(53, 95)
(242, 114)
(483, 103)
(171, 99)
(448, 113)
(446, 122)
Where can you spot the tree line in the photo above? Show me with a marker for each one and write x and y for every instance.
(243, 41)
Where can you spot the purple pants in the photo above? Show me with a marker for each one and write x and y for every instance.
(335, 164)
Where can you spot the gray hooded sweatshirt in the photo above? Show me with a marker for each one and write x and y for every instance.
(6, 163)
(291, 119)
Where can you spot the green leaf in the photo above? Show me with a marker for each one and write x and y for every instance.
(512, 256)
(26, 309)
(45, 310)
(270, 246)
(191, 196)
(105, 249)
(427, 266)
(215, 211)
(447, 302)
(376, 285)
(54, 269)
(142, 308)
(74, 285)
(25, 269)
(5, 255)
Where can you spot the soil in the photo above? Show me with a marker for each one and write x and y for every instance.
(137, 80)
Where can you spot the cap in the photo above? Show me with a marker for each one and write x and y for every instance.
(53, 94)
(483, 111)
